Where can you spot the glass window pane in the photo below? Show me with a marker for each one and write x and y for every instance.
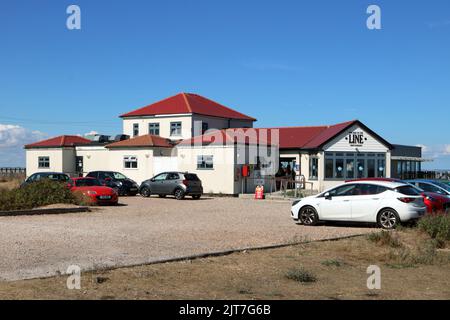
(360, 168)
(339, 168)
(329, 168)
(371, 168)
(350, 169)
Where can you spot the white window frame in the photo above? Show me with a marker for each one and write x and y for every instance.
(132, 161)
(43, 160)
(156, 127)
(205, 162)
(178, 128)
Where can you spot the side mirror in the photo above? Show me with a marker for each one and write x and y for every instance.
(328, 196)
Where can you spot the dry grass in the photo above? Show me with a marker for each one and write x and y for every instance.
(338, 268)
(10, 183)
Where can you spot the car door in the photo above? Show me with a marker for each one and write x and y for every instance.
(157, 184)
(366, 201)
(337, 206)
(171, 183)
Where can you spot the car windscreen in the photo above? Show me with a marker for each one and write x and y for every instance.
(408, 190)
(87, 183)
(115, 175)
(58, 177)
(191, 177)
(442, 185)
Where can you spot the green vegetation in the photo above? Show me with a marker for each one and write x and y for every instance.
(385, 238)
(437, 226)
(37, 194)
(333, 263)
(301, 275)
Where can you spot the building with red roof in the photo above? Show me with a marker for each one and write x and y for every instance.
(192, 133)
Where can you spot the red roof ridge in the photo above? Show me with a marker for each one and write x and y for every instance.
(187, 102)
(159, 101)
(59, 141)
(146, 140)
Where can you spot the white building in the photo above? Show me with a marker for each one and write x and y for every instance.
(188, 132)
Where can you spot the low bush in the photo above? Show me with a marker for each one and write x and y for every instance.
(301, 275)
(332, 263)
(437, 226)
(36, 194)
(385, 238)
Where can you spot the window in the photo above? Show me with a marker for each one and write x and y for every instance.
(346, 190)
(130, 162)
(329, 168)
(135, 129)
(430, 188)
(408, 190)
(339, 168)
(313, 168)
(173, 176)
(175, 128)
(160, 177)
(342, 166)
(205, 127)
(44, 162)
(153, 129)
(205, 162)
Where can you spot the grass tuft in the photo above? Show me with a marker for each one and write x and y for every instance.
(385, 238)
(301, 275)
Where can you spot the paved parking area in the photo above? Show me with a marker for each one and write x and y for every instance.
(147, 230)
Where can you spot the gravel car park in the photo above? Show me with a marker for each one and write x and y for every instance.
(145, 230)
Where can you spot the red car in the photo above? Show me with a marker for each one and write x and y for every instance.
(435, 202)
(93, 189)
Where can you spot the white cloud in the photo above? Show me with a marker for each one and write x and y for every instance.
(12, 140)
(435, 151)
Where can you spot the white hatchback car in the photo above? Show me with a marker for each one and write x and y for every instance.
(381, 202)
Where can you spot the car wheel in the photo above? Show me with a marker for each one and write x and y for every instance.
(179, 194)
(388, 219)
(308, 216)
(145, 192)
(196, 197)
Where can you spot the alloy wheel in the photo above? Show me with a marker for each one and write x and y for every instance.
(388, 219)
(308, 216)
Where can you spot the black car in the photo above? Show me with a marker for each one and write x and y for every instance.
(178, 184)
(116, 180)
(54, 176)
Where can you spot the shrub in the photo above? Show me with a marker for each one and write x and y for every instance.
(333, 263)
(437, 227)
(385, 238)
(301, 275)
(36, 194)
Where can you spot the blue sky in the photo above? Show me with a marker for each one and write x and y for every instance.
(286, 63)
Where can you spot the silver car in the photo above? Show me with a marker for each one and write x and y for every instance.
(178, 184)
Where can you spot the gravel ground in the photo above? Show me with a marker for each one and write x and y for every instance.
(147, 230)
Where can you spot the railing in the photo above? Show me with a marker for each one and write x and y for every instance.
(11, 172)
(444, 175)
(286, 186)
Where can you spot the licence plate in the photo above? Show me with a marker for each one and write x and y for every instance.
(133, 189)
(104, 197)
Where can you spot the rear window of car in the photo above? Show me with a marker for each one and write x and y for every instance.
(408, 190)
(191, 177)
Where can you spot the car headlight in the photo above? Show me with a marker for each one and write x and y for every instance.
(430, 199)
(119, 184)
(92, 193)
(295, 202)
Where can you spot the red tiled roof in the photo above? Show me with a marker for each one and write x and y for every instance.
(61, 141)
(229, 137)
(188, 103)
(289, 137)
(147, 140)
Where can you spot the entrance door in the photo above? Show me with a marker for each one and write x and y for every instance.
(79, 165)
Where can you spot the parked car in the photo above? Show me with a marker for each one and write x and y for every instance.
(382, 202)
(178, 184)
(435, 202)
(116, 180)
(54, 176)
(94, 190)
(431, 186)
